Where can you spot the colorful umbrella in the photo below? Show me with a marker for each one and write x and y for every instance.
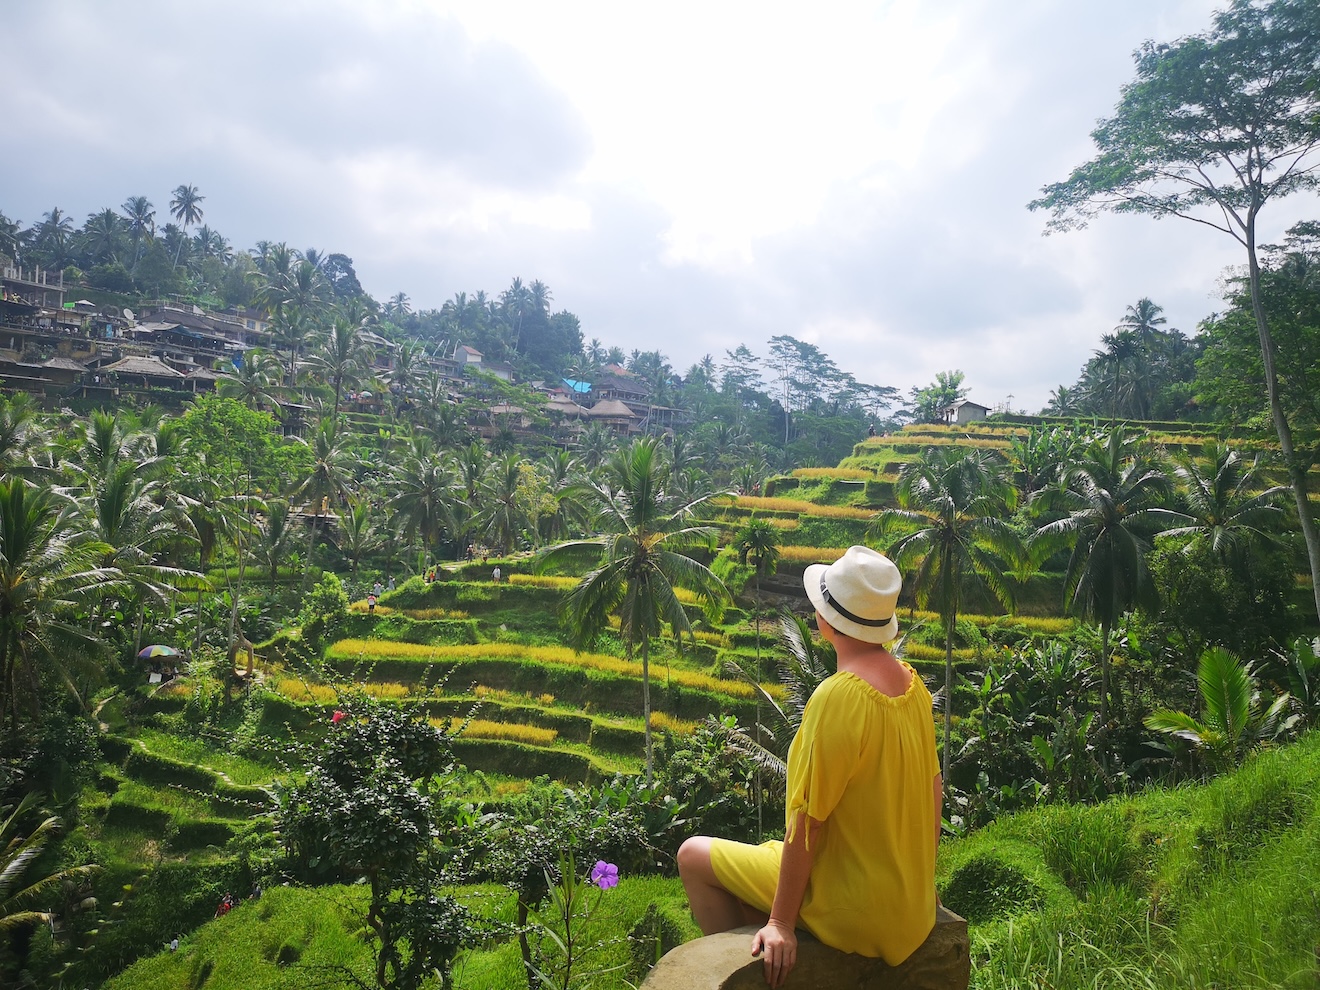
(157, 651)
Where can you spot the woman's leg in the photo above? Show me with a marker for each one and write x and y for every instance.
(713, 907)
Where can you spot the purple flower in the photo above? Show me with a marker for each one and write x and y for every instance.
(605, 875)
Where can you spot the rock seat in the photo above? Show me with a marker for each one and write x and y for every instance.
(723, 962)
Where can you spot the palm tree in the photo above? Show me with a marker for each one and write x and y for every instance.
(102, 235)
(397, 309)
(135, 519)
(502, 517)
(9, 236)
(594, 445)
(1120, 348)
(757, 542)
(185, 207)
(52, 237)
(425, 493)
(1232, 719)
(141, 217)
(804, 665)
(1225, 505)
(255, 382)
(1113, 496)
(959, 503)
(642, 562)
(357, 534)
(17, 416)
(21, 896)
(329, 476)
(274, 538)
(340, 358)
(48, 566)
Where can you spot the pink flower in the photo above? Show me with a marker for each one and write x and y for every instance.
(337, 717)
(605, 875)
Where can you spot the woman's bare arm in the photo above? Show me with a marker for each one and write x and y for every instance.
(777, 941)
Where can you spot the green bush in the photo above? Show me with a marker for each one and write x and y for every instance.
(986, 887)
(114, 748)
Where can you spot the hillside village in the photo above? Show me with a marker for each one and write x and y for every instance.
(58, 349)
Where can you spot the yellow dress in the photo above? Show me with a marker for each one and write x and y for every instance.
(863, 763)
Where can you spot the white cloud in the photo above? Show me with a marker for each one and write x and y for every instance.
(686, 177)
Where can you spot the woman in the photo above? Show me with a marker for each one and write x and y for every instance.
(857, 865)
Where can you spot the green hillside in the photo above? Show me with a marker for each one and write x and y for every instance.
(1195, 886)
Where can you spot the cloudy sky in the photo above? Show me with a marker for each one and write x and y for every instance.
(684, 176)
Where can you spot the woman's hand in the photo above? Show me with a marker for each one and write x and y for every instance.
(776, 943)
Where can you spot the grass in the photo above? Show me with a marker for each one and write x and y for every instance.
(842, 474)
(187, 750)
(545, 581)
(810, 555)
(803, 507)
(478, 728)
(372, 650)
(294, 938)
(1208, 886)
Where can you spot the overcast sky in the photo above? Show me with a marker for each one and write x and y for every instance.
(683, 176)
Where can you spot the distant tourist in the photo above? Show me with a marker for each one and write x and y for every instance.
(174, 944)
(376, 589)
(497, 573)
(390, 585)
(870, 429)
(371, 604)
(255, 895)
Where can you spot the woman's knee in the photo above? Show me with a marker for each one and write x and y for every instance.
(694, 858)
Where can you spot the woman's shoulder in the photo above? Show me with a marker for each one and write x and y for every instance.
(846, 684)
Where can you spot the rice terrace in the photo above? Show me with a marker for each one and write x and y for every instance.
(352, 640)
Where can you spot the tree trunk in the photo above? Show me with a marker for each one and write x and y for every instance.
(1296, 470)
(525, 947)
(1104, 676)
(311, 544)
(757, 779)
(950, 620)
(646, 705)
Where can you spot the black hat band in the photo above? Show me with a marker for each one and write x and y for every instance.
(834, 604)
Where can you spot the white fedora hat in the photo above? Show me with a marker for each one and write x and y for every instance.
(857, 594)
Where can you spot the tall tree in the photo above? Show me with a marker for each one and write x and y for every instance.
(141, 217)
(1115, 498)
(48, 566)
(185, 207)
(340, 357)
(328, 477)
(425, 493)
(757, 543)
(1214, 127)
(642, 562)
(958, 503)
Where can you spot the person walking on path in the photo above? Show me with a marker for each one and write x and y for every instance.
(857, 864)
(497, 573)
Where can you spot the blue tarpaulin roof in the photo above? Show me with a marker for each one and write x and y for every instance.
(582, 387)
